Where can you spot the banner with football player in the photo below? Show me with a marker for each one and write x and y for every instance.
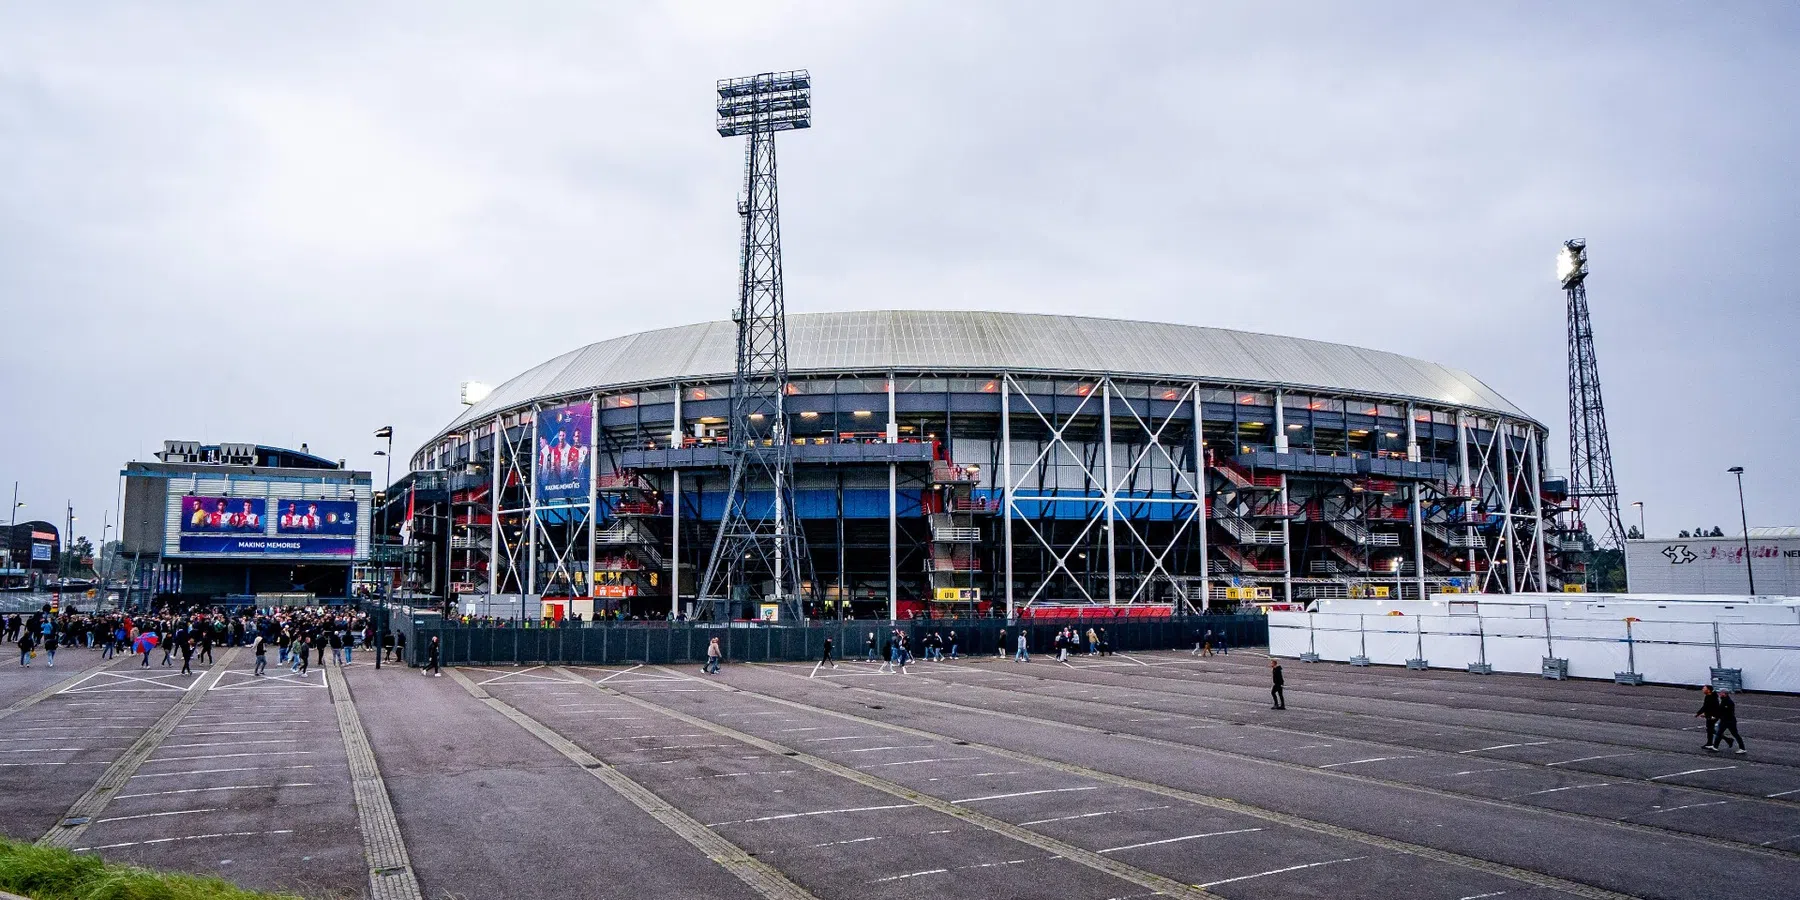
(305, 518)
(563, 451)
(221, 515)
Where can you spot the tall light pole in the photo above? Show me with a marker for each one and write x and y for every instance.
(1642, 531)
(1749, 569)
(385, 431)
(12, 527)
(63, 569)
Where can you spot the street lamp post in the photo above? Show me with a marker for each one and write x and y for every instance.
(1744, 519)
(1642, 531)
(385, 431)
(12, 528)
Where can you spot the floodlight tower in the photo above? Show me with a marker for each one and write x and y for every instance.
(759, 551)
(1590, 452)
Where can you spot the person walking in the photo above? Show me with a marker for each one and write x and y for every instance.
(824, 659)
(902, 656)
(1277, 684)
(146, 642)
(1728, 722)
(870, 644)
(300, 656)
(431, 659)
(1024, 654)
(1000, 646)
(26, 644)
(187, 655)
(262, 657)
(1093, 641)
(1709, 710)
(50, 649)
(713, 653)
(952, 643)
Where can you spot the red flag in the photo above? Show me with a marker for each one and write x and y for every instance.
(406, 527)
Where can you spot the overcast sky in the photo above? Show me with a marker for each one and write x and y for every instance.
(229, 223)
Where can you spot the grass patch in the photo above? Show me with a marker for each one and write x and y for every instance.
(47, 873)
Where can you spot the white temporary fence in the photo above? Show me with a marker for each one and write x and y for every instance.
(1665, 652)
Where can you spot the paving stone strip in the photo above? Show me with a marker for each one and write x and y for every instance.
(25, 703)
(1568, 815)
(81, 813)
(760, 876)
(1526, 876)
(1160, 884)
(384, 847)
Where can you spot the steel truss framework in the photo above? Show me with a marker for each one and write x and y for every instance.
(1097, 501)
(1590, 450)
(758, 548)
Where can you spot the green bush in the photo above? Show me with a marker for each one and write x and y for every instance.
(46, 873)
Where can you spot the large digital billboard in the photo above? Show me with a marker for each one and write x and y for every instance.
(310, 518)
(221, 515)
(240, 527)
(562, 452)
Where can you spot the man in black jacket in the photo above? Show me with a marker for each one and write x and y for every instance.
(1275, 691)
(1728, 722)
(1709, 710)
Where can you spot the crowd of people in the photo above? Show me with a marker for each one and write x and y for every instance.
(300, 637)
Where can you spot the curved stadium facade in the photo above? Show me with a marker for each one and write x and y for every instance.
(1006, 461)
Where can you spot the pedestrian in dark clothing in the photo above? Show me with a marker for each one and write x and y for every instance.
(50, 649)
(431, 660)
(187, 656)
(262, 656)
(824, 659)
(1709, 710)
(1277, 685)
(1000, 648)
(1728, 722)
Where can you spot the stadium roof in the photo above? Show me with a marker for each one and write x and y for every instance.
(916, 340)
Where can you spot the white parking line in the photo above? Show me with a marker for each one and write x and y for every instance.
(58, 749)
(228, 744)
(234, 787)
(1329, 862)
(820, 812)
(1506, 746)
(179, 812)
(1783, 793)
(1110, 812)
(216, 771)
(914, 762)
(1026, 794)
(191, 837)
(1685, 806)
(231, 755)
(1358, 762)
(848, 737)
(1690, 772)
(894, 747)
(1587, 758)
(1175, 840)
(910, 875)
(1572, 787)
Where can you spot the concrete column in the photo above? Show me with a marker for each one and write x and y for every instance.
(1200, 497)
(1006, 488)
(1418, 513)
(893, 429)
(1502, 444)
(1537, 513)
(1106, 494)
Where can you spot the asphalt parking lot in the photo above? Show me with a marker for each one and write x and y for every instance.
(1127, 776)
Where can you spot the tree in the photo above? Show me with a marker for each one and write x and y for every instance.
(1606, 571)
(1634, 534)
(1684, 533)
(72, 564)
(1717, 532)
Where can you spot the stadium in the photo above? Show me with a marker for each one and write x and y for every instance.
(993, 463)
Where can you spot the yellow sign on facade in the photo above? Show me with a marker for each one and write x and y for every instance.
(1574, 588)
(958, 595)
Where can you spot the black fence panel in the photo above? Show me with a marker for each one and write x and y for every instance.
(681, 643)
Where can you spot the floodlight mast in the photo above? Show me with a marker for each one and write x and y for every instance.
(759, 552)
(1590, 451)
